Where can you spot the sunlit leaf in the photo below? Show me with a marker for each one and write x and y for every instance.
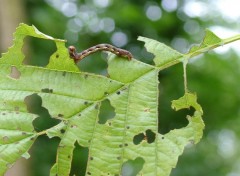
(164, 55)
(210, 41)
(75, 98)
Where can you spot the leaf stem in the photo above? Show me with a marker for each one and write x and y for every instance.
(185, 62)
(231, 39)
(210, 47)
(200, 51)
(42, 133)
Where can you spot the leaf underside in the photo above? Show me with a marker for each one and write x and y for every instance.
(75, 98)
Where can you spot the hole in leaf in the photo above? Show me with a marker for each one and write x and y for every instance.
(137, 139)
(132, 167)
(15, 73)
(106, 112)
(178, 120)
(79, 160)
(34, 105)
(149, 136)
(145, 56)
(37, 51)
(43, 155)
(171, 87)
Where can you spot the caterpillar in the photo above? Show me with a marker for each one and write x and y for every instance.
(100, 47)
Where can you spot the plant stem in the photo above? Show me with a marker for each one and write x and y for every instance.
(200, 51)
(185, 62)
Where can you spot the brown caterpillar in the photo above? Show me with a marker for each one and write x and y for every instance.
(105, 47)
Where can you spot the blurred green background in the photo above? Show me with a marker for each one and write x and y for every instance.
(214, 76)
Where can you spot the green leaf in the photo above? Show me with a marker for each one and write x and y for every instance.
(164, 55)
(16, 136)
(209, 42)
(209, 39)
(75, 98)
(15, 56)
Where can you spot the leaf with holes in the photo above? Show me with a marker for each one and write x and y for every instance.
(127, 138)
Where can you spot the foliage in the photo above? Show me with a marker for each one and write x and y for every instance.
(71, 97)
